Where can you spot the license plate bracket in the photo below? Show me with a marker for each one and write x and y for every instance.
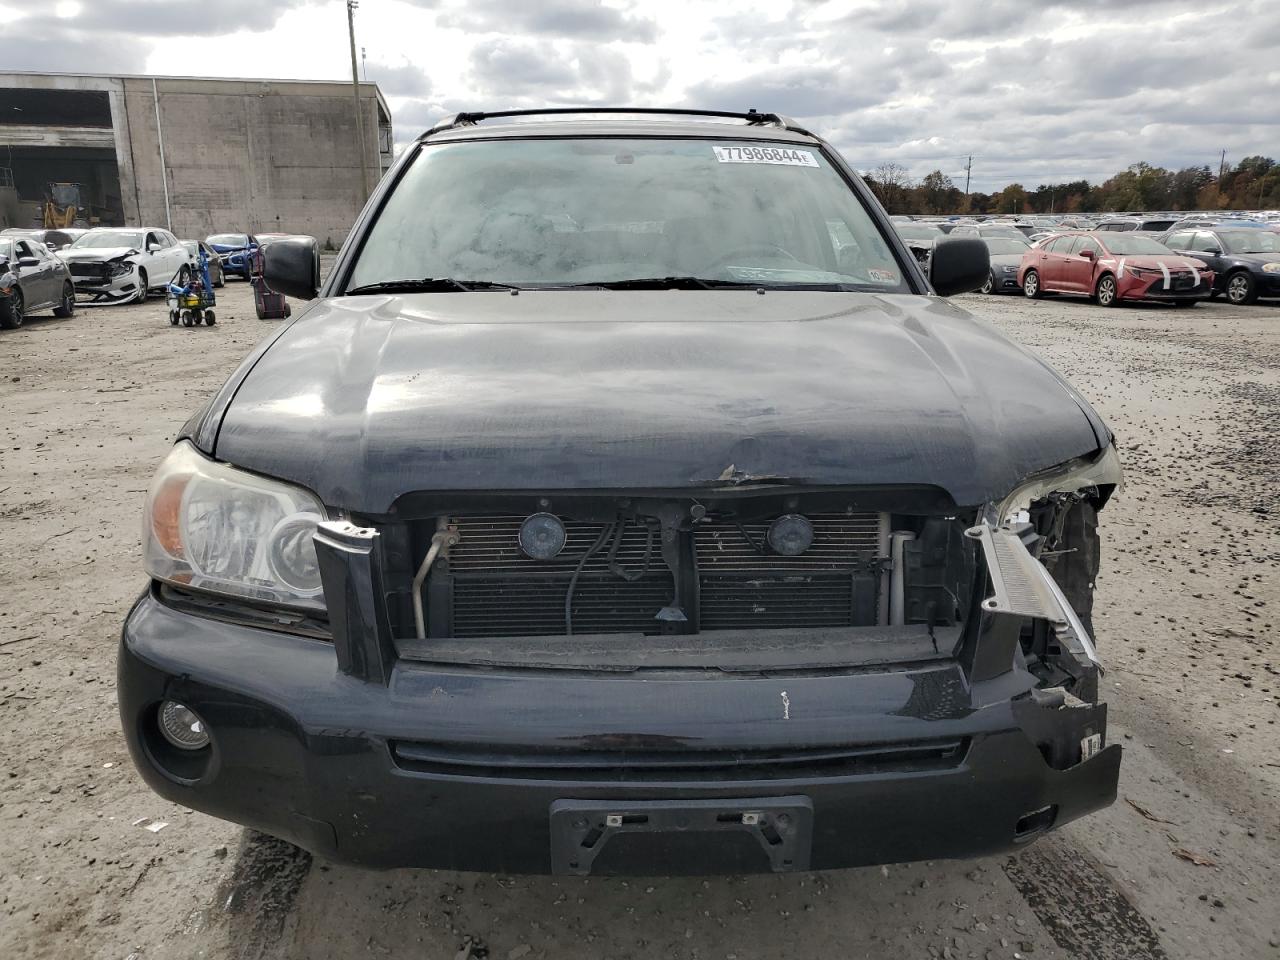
(581, 830)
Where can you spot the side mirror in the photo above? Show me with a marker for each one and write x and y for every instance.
(28, 262)
(1214, 252)
(959, 265)
(154, 248)
(292, 267)
(1087, 254)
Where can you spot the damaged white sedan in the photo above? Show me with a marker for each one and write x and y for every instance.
(125, 264)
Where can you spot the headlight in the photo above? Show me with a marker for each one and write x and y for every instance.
(120, 269)
(1102, 470)
(211, 526)
(1271, 267)
(1009, 268)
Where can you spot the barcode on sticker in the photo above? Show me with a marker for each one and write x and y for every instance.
(1090, 746)
(785, 156)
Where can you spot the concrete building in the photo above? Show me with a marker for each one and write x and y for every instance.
(256, 155)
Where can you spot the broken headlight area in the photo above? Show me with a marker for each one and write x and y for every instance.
(119, 268)
(1043, 538)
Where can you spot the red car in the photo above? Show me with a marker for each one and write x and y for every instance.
(1110, 267)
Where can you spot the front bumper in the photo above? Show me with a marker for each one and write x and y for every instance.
(235, 264)
(98, 285)
(1006, 282)
(1268, 284)
(1145, 288)
(449, 767)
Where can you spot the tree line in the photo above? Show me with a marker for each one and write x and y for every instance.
(1251, 184)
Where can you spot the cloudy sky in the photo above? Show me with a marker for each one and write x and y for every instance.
(1035, 90)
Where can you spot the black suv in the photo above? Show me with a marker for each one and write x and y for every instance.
(628, 500)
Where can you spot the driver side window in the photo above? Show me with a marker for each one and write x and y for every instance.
(150, 240)
(1179, 241)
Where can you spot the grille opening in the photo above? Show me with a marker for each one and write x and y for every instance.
(717, 572)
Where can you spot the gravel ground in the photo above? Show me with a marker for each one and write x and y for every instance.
(1184, 865)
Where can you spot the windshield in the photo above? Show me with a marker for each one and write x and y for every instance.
(1134, 246)
(1251, 241)
(1012, 233)
(229, 239)
(918, 231)
(111, 238)
(598, 211)
(997, 246)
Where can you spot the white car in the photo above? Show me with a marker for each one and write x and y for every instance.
(126, 263)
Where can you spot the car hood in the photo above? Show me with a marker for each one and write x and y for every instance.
(225, 248)
(1258, 258)
(98, 253)
(1151, 261)
(363, 399)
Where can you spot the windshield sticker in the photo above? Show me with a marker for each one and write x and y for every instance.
(785, 156)
(882, 276)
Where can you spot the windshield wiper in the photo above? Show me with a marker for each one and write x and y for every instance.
(429, 285)
(668, 283)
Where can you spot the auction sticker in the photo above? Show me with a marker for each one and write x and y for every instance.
(785, 156)
(882, 276)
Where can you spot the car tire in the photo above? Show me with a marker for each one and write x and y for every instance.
(67, 308)
(1031, 285)
(11, 313)
(140, 295)
(1240, 288)
(1105, 292)
(990, 285)
(222, 279)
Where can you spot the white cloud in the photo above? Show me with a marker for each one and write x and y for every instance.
(1034, 89)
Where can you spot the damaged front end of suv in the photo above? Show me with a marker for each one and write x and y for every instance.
(622, 552)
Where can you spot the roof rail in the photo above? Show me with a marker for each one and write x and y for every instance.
(752, 116)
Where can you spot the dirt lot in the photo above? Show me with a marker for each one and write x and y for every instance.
(1186, 864)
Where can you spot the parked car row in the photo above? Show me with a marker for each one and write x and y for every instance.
(1179, 260)
(48, 269)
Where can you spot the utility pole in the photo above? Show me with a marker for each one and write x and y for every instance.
(1222, 168)
(968, 168)
(355, 87)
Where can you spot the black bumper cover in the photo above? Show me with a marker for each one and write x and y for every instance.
(308, 753)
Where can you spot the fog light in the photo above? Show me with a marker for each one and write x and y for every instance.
(542, 536)
(791, 535)
(182, 727)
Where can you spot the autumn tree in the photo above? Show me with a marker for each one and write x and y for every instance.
(891, 184)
